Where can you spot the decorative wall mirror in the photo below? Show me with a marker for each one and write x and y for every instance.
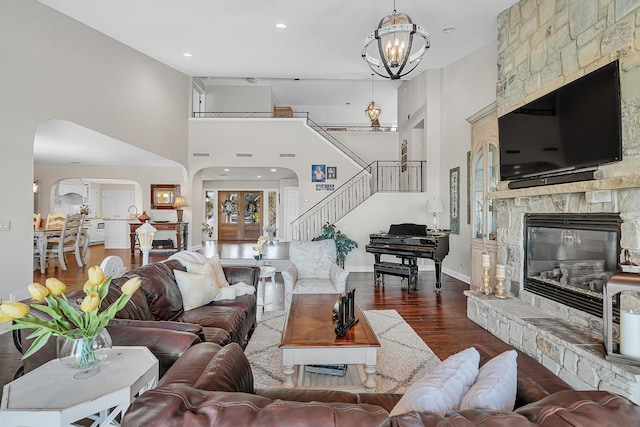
(163, 195)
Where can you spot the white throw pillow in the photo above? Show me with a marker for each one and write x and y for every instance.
(196, 289)
(442, 390)
(218, 272)
(496, 385)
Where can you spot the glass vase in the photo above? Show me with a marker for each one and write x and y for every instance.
(83, 354)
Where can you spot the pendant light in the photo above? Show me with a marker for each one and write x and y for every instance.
(399, 48)
(373, 110)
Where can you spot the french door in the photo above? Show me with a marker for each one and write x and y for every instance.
(239, 215)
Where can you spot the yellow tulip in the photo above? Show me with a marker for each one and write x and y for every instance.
(96, 275)
(131, 286)
(90, 303)
(5, 317)
(37, 291)
(14, 309)
(88, 287)
(55, 286)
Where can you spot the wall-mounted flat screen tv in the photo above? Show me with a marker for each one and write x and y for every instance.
(575, 127)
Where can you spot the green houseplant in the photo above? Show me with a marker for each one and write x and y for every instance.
(344, 244)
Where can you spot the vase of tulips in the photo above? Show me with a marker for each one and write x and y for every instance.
(82, 337)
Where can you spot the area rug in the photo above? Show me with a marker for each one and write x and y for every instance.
(402, 357)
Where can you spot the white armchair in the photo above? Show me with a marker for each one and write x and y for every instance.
(313, 270)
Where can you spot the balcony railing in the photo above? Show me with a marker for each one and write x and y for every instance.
(379, 176)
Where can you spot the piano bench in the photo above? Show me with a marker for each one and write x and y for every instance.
(410, 272)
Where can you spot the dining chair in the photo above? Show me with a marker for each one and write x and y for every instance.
(69, 241)
(55, 221)
(36, 221)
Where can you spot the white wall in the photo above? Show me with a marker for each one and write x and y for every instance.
(443, 99)
(239, 99)
(265, 140)
(370, 146)
(55, 67)
(468, 86)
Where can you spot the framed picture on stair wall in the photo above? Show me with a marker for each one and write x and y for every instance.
(318, 173)
(454, 200)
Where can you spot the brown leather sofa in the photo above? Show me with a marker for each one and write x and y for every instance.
(155, 318)
(213, 386)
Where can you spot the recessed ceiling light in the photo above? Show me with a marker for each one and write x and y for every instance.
(226, 170)
(281, 26)
(449, 30)
(187, 54)
(274, 170)
(259, 176)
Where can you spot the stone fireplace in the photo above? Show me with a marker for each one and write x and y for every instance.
(569, 257)
(543, 45)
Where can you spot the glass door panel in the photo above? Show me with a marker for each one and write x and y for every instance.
(478, 193)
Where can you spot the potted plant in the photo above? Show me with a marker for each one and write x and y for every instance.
(207, 230)
(344, 244)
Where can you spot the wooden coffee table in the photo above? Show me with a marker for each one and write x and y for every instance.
(308, 338)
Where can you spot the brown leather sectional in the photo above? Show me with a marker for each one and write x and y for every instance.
(213, 386)
(155, 318)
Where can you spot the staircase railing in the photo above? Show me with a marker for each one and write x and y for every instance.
(326, 135)
(379, 176)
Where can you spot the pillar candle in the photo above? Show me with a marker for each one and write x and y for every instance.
(500, 271)
(630, 333)
(486, 261)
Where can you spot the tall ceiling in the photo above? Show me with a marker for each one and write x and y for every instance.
(322, 40)
(233, 41)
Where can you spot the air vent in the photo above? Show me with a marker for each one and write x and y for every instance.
(244, 155)
(287, 155)
(200, 154)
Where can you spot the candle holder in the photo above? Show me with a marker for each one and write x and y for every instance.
(500, 277)
(617, 284)
(500, 288)
(486, 286)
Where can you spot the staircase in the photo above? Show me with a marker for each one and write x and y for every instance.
(389, 176)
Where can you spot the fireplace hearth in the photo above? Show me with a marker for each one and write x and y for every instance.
(569, 257)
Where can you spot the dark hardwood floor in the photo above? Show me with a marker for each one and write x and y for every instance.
(440, 319)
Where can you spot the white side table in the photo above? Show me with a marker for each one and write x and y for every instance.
(266, 272)
(49, 396)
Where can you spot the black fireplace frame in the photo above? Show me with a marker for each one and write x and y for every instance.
(609, 222)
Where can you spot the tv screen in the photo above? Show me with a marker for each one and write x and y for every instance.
(574, 127)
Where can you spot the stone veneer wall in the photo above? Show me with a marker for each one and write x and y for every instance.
(542, 45)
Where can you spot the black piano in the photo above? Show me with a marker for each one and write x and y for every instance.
(408, 242)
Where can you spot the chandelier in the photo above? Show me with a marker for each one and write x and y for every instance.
(373, 110)
(399, 48)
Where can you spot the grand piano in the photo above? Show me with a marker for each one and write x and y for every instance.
(407, 242)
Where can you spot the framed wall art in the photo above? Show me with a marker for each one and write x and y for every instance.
(454, 200)
(332, 172)
(318, 173)
(164, 195)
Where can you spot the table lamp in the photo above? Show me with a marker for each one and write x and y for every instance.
(435, 206)
(178, 204)
(145, 236)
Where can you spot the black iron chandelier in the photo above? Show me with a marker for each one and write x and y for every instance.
(399, 48)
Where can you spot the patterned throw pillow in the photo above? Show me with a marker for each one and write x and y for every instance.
(442, 390)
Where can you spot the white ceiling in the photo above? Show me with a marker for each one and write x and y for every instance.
(238, 39)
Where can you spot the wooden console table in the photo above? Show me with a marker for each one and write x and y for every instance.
(180, 228)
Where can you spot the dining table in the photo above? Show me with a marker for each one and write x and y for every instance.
(41, 236)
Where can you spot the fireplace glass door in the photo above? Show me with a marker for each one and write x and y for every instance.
(570, 258)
